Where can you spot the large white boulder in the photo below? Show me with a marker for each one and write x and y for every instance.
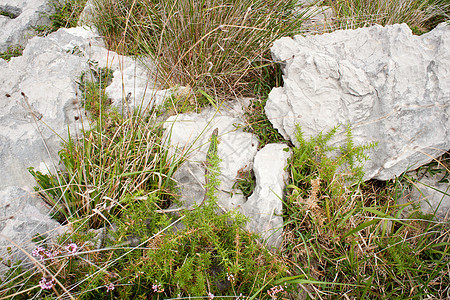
(19, 19)
(391, 87)
(39, 102)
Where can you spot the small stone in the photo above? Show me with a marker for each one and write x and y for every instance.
(264, 207)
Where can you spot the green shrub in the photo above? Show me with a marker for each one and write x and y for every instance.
(65, 15)
(350, 238)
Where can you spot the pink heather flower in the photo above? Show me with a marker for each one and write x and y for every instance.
(54, 254)
(275, 290)
(238, 298)
(210, 296)
(38, 252)
(72, 248)
(47, 283)
(44, 254)
(110, 287)
(157, 287)
(230, 277)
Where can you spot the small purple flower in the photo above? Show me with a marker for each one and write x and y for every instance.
(38, 252)
(110, 287)
(72, 248)
(157, 287)
(47, 283)
(275, 290)
(230, 277)
(54, 254)
(210, 296)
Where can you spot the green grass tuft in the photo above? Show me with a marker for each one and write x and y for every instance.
(213, 45)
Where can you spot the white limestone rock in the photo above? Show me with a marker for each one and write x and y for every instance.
(189, 134)
(430, 194)
(392, 88)
(433, 197)
(43, 83)
(319, 17)
(24, 15)
(133, 86)
(39, 102)
(87, 15)
(23, 215)
(264, 207)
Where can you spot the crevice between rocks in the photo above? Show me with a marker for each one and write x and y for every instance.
(10, 11)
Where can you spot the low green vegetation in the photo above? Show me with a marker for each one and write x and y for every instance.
(65, 14)
(352, 235)
(7, 14)
(11, 52)
(256, 119)
(154, 256)
(92, 85)
(343, 238)
(116, 157)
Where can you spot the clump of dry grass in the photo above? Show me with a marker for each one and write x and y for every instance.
(214, 45)
(420, 15)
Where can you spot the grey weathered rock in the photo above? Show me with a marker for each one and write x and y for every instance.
(264, 207)
(430, 192)
(188, 134)
(22, 216)
(87, 15)
(43, 83)
(133, 86)
(38, 101)
(320, 17)
(392, 88)
(17, 27)
(432, 197)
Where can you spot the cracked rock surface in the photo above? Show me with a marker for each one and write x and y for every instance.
(264, 207)
(18, 20)
(40, 98)
(391, 86)
(22, 216)
(39, 102)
